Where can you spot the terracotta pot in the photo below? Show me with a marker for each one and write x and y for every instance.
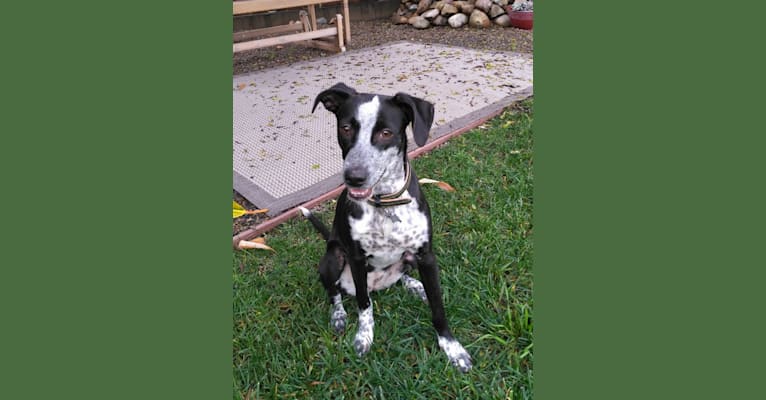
(520, 19)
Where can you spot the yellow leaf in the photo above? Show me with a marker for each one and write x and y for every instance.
(238, 210)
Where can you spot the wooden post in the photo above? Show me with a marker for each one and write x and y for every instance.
(339, 22)
(348, 21)
(313, 15)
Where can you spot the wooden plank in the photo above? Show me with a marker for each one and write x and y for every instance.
(254, 6)
(322, 45)
(256, 44)
(254, 33)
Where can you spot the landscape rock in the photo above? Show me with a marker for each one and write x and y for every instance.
(503, 20)
(502, 3)
(467, 8)
(449, 9)
(440, 20)
(479, 20)
(457, 20)
(419, 22)
(423, 5)
(397, 19)
(483, 5)
(496, 11)
(432, 13)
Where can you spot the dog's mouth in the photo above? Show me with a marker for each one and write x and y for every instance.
(363, 194)
(359, 194)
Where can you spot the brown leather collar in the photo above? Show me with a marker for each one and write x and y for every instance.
(389, 200)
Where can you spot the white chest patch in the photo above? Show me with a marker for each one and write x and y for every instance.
(385, 240)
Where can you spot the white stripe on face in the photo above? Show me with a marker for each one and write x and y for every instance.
(367, 115)
(362, 152)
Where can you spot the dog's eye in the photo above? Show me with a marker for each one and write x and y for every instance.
(345, 130)
(386, 133)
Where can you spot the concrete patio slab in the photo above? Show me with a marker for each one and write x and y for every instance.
(283, 155)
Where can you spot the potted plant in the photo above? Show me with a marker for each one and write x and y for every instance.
(521, 12)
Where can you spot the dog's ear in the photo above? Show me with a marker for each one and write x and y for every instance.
(333, 97)
(420, 112)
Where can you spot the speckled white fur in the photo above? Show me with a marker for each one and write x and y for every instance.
(363, 339)
(456, 353)
(338, 318)
(415, 287)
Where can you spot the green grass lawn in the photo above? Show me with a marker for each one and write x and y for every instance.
(284, 346)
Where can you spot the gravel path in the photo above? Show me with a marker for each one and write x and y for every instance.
(374, 33)
(377, 32)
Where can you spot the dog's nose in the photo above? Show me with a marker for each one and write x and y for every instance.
(355, 176)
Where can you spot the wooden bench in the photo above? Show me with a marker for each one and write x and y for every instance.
(304, 31)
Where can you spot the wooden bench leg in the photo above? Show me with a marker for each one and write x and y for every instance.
(347, 22)
(313, 15)
(339, 24)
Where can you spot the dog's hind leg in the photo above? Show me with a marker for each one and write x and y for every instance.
(330, 268)
(412, 285)
(415, 287)
(429, 273)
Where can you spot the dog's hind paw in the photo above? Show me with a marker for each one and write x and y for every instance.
(456, 354)
(415, 287)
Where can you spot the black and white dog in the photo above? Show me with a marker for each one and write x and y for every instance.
(382, 226)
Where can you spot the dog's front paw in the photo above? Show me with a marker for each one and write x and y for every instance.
(456, 354)
(338, 320)
(362, 345)
(363, 339)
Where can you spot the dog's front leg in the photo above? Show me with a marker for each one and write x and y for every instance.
(330, 268)
(363, 339)
(429, 274)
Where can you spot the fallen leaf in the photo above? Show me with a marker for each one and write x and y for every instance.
(246, 244)
(241, 86)
(239, 211)
(442, 185)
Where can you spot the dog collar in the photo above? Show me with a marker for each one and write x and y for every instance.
(389, 200)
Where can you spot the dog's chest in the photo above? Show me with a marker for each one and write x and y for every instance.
(385, 233)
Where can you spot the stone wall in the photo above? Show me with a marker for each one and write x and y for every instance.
(476, 13)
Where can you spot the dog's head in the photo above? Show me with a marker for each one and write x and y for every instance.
(371, 132)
